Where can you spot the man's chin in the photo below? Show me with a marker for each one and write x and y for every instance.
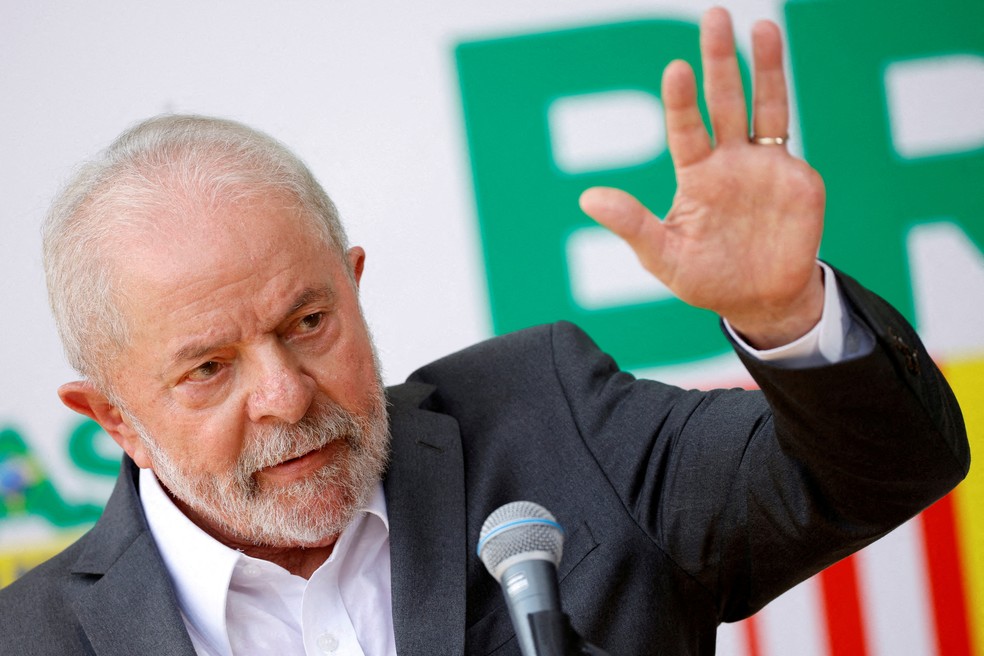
(299, 514)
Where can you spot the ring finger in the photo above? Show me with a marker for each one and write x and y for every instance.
(770, 103)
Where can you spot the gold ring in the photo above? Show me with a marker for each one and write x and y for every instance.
(768, 141)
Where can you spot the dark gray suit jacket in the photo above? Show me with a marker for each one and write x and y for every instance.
(682, 508)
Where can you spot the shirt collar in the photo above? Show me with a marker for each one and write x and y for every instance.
(377, 506)
(201, 567)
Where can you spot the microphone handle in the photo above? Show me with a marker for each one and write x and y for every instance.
(530, 586)
(555, 636)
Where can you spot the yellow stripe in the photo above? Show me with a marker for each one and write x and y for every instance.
(966, 376)
(14, 562)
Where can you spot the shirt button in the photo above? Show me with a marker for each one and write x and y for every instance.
(251, 570)
(327, 642)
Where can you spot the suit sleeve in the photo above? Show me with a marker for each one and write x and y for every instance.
(752, 492)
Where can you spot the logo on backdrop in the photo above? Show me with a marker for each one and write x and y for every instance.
(27, 490)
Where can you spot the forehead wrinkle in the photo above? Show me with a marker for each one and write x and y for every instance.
(198, 349)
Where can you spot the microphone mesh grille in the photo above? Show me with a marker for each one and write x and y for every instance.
(516, 528)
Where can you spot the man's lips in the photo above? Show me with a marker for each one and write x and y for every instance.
(301, 466)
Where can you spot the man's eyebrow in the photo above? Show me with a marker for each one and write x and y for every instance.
(193, 351)
(312, 295)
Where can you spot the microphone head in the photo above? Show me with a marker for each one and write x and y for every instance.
(518, 531)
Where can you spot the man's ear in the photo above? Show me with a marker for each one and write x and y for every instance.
(357, 261)
(86, 399)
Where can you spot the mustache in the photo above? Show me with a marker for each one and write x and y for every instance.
(324, 423)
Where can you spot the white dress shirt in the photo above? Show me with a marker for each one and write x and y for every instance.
(234, 605)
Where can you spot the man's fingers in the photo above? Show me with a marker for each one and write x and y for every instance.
(621, 213)
(770, 105)
(685, 132)
(722, 78)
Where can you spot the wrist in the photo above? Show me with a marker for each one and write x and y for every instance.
(772, 327)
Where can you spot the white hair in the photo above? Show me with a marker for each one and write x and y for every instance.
(161, 168)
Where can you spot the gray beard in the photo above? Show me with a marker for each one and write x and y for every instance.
(309, 512)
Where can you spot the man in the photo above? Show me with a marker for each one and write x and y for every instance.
(274, 501)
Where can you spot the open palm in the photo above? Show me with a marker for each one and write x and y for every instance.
(742, 235)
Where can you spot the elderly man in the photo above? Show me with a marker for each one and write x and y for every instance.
(275, 499)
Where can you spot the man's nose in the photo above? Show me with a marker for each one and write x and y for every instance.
(282, 391)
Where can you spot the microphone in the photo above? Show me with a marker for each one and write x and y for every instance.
(520, 545)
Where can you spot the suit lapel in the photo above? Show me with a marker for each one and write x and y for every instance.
(126, 604)
(425, 501)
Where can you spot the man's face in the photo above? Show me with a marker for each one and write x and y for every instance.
(250, 379)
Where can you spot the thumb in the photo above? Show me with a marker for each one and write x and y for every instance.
(621, 213)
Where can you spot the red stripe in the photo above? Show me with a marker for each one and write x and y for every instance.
(939, 527)
(842, 606)
(753, 646)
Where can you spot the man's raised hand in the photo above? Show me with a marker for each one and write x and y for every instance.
(742, 236)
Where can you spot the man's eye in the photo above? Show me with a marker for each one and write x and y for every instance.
(310, 322)
(204, 371)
